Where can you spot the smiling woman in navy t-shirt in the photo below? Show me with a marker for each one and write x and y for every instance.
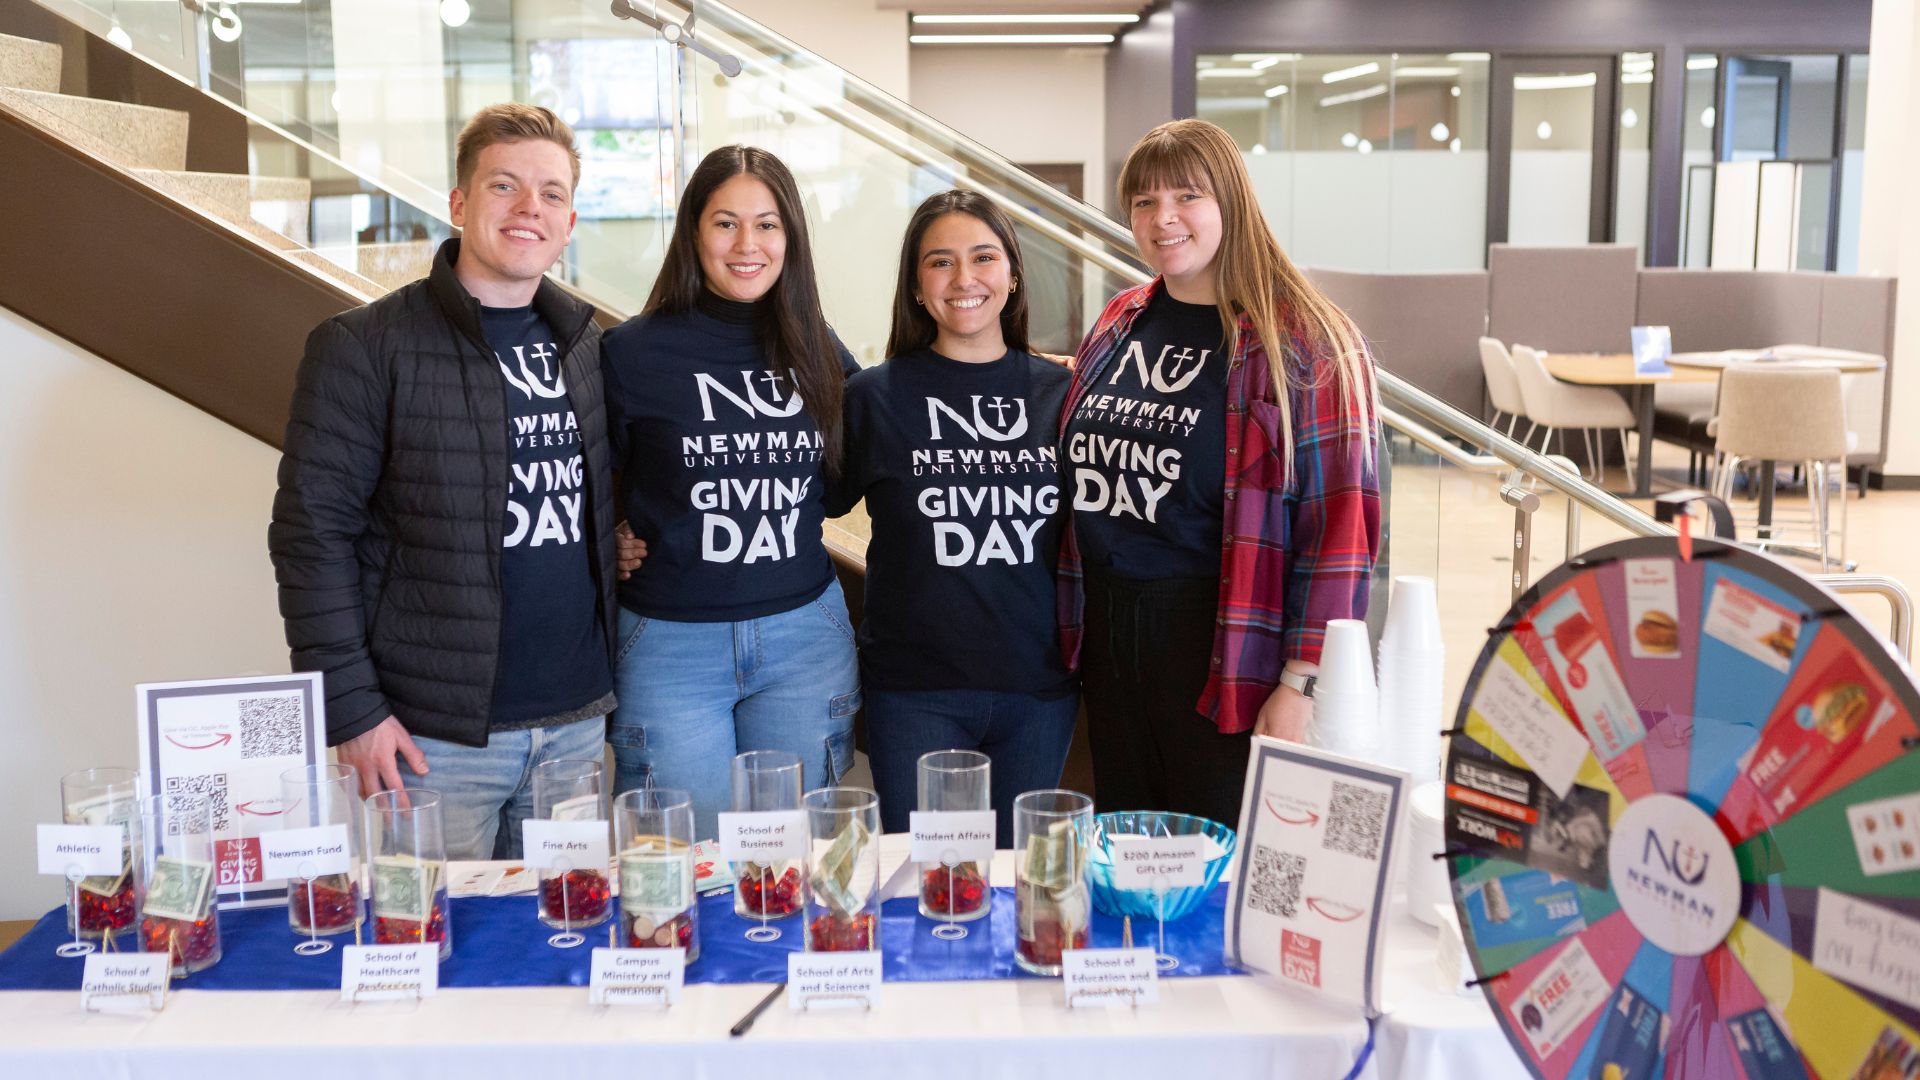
(951, 442)
(725, 403)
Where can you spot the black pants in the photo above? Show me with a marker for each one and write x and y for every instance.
(1145, 658)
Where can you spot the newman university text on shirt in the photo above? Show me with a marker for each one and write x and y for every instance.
(1147, 448)
(723, 475)
(552, 653)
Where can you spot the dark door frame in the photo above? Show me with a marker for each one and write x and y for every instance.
(1605, 68)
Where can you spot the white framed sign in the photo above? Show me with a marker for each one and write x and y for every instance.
(1313, 871)
(228, 740)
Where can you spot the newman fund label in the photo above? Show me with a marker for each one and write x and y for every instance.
(1673, 871)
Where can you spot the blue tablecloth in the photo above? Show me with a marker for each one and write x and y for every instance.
(499, 942)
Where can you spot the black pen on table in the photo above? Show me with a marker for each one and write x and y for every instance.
(746, 1022)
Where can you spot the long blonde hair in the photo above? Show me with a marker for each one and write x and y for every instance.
(1253, 277)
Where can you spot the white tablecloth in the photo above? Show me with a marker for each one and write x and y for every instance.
(1203, 1028)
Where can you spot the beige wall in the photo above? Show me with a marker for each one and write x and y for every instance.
(1889, 216)
(851, 33)
(133, 548)
(1034, 104)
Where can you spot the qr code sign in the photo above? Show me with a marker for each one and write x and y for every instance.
(1356, 820)
(270, 726)
(1276, 881)
(183, 791)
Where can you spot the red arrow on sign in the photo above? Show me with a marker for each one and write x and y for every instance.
(1338, 912)
(220, 739)
(245, 808)
(1311, 818)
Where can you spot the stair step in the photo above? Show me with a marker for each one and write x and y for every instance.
(278, 202)
(134, 136)
(26, 64)
(394, 265)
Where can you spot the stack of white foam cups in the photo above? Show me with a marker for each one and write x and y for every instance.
(1346, 704)
(1412, 680)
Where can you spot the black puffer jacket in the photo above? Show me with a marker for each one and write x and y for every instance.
(387, 527)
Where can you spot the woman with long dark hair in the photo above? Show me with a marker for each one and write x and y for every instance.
(725, 401)
(1222, 436)
(952, 443)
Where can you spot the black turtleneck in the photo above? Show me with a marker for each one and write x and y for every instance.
(721, 467)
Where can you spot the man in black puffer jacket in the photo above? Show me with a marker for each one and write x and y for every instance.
(443, 534)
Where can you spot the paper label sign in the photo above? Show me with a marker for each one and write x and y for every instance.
(951, 836)
(1109, 977)
(1532, 724)
(82, 850)
(637, 976)
(824, 980)
(126, 981)
(763, 835)
(305, 853)
(565, 845)
(1149, 862)
(389, 972)
(1873, 947)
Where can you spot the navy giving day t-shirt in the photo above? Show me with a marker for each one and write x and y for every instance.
(960, 469)
(553, 655)
(723, 468)
(1147, 446)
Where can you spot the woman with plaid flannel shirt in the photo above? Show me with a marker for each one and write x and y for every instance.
(1221, 435)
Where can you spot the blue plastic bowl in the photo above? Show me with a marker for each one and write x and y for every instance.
(1142, 903)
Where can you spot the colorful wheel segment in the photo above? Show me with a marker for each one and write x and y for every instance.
(1683, 825)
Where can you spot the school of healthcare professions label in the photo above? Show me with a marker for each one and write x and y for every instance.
(1673, 873)
(389, 972)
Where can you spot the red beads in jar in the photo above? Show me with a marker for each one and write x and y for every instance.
(833, 933)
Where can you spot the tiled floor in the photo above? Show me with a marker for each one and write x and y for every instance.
(1452, 525)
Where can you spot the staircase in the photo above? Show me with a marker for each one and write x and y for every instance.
(151, 144)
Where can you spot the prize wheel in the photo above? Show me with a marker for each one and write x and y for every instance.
(1683, 825)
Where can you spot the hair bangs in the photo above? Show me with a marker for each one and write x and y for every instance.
(1163, 160)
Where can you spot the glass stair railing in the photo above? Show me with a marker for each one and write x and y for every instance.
(351, 108)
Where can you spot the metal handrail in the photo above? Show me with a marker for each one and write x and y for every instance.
(1899, 600)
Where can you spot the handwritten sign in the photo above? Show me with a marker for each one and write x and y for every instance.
(1536, 729)
(763, 835)
(1109, 977)
(951, 836)
(305, 853)
(827, 980)
(637, 976)
(565, 845)
(1872, 947)
(89, 850)
(389, 972)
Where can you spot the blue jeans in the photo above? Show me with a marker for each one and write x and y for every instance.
(487, 791)
(1025, 737)
(694, 694)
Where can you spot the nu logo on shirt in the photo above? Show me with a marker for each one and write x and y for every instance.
(752, 404)
(1160, 377)
(998, 429)
(550, 383)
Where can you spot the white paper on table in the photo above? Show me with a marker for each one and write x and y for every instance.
(1314, 867)
(228, 740)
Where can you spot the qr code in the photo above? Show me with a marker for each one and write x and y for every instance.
(1276, 881)
(270, 726)
(1356, 819)
(182, 791)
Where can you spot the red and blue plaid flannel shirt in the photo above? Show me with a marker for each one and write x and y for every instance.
(1293, 555)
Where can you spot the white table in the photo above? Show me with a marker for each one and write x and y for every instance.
(1204, 1028)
